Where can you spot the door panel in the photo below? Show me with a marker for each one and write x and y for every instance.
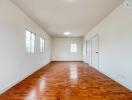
(95, 52)
(89, 52)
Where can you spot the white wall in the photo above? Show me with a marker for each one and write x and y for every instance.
(115, 37)
(61, 49)
(15, 63)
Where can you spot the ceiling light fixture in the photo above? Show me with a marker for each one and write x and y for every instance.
(67, 33)
(70, 0)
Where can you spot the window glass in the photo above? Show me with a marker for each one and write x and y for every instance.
(73, 48)
(30, 42)
(42, 45)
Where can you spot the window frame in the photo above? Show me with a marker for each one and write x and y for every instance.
(73, 48)
(42, 45)
(30, 46)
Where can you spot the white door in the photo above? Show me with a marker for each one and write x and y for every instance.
(88, 52)
(95, 52)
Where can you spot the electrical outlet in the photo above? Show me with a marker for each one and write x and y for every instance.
(122, 76)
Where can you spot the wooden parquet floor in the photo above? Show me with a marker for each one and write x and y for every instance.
(67, 81)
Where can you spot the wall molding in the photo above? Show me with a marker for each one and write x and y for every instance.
(116, 80)
(18, 81)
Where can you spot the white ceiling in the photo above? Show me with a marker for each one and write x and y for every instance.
(75, 16)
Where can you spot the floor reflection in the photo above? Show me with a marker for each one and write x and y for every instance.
(37, 90)
(32, 95)
(73, 72)
(42, 85)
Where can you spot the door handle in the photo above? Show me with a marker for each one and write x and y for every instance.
(97, 52)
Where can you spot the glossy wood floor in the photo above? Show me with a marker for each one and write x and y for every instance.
(67, 81)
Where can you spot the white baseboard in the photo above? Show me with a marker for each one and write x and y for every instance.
(108, 75)
(18, 81)
(119, 82)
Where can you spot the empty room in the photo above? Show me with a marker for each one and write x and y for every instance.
(66, 50)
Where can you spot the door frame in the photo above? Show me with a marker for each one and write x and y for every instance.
(88, 41)
(96, 35)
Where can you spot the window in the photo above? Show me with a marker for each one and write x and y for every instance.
(42, 45)
(30, 42)
(73, 48)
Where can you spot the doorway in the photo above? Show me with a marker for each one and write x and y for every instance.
(92, 52)
(95, 51)
(89, 52)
